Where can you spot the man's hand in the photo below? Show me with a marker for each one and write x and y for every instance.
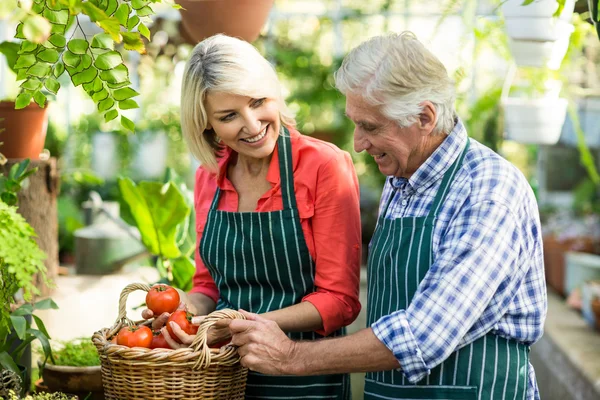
(263, 346)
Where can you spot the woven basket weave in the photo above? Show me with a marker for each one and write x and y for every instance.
(192, 373)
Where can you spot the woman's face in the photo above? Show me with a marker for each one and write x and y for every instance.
(249, 126)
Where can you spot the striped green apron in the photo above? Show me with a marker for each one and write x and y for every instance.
(491, 367)
(260, 262)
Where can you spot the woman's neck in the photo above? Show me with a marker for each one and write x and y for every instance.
(249, 166)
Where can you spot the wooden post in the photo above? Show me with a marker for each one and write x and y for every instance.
(37, 204)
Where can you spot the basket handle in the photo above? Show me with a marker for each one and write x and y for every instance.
(122, 317)
(200, 341)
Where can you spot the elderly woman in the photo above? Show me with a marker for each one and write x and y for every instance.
(456, 284)
(278, 217)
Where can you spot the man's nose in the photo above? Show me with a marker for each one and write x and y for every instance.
(360, 143)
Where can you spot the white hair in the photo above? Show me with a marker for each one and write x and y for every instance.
(397, 73)
(223, 64)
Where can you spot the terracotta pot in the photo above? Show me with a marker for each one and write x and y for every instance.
(596, 310)
(23, 131)
(75, 380)
(554, 258)
(243, 19)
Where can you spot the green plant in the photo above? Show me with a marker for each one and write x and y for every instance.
(161, 212)
(11, 184)
(79, 352)
(42, 396)
(93, 62)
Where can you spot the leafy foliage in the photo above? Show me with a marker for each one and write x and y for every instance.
(91, 62)
(43, 396)
(11, 184)
(76, 353)
(161, 212)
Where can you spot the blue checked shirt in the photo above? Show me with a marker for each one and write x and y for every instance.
(488, 270)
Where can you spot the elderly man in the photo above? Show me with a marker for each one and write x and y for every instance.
(456, 289)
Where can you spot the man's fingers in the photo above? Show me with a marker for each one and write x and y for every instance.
(221, 324)
(251, 316)
(169, 339)
(196, 320)
(160, 321)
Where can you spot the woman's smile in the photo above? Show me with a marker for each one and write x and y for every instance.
(256, 139)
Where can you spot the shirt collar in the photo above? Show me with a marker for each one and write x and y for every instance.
(438, 163)
(273, 176)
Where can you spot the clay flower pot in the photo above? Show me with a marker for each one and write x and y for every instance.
(23, 131)
(243, 19)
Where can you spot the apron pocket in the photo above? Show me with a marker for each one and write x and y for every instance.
(377, 390)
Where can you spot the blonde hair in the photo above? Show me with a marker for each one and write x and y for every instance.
(397, 73)
(223, 64)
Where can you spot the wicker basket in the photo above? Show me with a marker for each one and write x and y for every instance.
(196, 372)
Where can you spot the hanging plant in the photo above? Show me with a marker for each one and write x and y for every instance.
(48, 49)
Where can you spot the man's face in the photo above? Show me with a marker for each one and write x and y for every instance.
(397, 151)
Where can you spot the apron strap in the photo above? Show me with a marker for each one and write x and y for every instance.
(446, 181)
(286, 173)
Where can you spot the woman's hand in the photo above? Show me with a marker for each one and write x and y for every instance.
(216, 334)
(161, 320)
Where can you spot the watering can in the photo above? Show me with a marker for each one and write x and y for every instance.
(107, 243)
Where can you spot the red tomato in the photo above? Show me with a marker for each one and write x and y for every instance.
(159, 341)
(161, 299)
(184, 320)
(220, 344)
(135, 336)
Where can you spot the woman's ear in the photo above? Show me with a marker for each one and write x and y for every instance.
(427, 117)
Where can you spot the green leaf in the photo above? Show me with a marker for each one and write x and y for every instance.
(57, 17)
(137, 4)
(85, 76)
(9, 198)
(118, 74)
(70, 59)
(39, 98)
(22, 74)
(103, 41)
(25, 61)
(86, 61)
(19, 325)
(145, 11)
(36, 28)
(98, 85)
(109, 116)
(111, 7)
(122, 14)
(40, 325)
(58, 40)
(143, 29)
(31, 84)
(106, 104)
(118, 85)
(78, 46)
(55, 6)
(133, 21)
(124, 94)
(25, 309)
(99, 96)
(46, 304)
(10, 51)
(19, 32)
(133, 41)
(183, 272)
(157, 210)
(128, 104)
(127, 123)
(8, 363)
(59, 29)
(96, 14)
(112, 27)
(527, 2)
(39, 69)
(27, 47)
(59, 68)
(48, 55)
(43, 340)
(23, 100)
(108, 61)
(52, 85)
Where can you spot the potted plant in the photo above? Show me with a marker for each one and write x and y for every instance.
(42, 396)
(75, 369)
(538, 31)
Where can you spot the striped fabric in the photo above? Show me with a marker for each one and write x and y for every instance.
(486, 264)
(260, 262)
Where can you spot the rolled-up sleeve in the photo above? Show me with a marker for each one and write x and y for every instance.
(470, 285)
(337, 237)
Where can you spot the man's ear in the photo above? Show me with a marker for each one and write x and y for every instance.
(427, 118)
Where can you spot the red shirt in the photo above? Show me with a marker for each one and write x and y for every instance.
(327, 196)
